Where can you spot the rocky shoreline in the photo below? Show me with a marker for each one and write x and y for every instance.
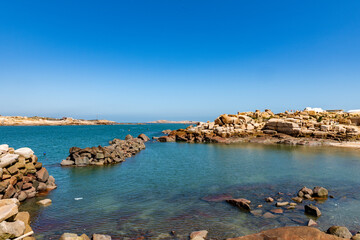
(292, 128)
(116, 152)
(22, 177)
(45, 121)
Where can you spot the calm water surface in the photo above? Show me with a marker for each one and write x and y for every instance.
(161, 188)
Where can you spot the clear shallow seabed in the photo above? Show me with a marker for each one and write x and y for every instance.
(160, 189)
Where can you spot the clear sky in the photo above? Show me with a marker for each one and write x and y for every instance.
(177, 59)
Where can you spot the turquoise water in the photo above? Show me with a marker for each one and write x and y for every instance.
(161, 188)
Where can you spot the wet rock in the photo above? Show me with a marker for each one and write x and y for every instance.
(312, 210)
(269, 199)
(12, 229)
(289, 233)
(339, 231)
(257, 212)
(45, 202)
(281, 204)
(277, 211)
(144, 137)
(303, 191)
(101, 237)
(269, 215)
(297, 199)
(307, 196)
(320, 192)
(241, 203)
(311, 223)
(198, 235)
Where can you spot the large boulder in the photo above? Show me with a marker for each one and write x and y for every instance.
(8, 159)
(42, 175)
(320, 192)
(25, 152)
(282, 126)
(25, 218)
(290, 233)
(8, 211)
(12, 229)
(4, 148)
(339, 231)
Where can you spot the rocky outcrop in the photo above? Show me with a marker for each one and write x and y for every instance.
(116, 152)
(22, 176)
(14, 224)
(297, 128)
(290, 233)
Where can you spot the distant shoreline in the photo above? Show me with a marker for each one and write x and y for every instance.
(68, 121)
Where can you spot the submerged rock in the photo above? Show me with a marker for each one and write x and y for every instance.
(241, 203)
(312, 210)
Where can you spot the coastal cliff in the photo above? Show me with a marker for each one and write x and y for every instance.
(45, 121)
(306, 127)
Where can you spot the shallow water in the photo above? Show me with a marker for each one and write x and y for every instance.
(161, 188)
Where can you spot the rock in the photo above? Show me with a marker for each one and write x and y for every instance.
(307, 196)
(277, 211)
(13, 170)
(306, 190)
(293, 204)
(38, 165)
(4, 148)
(4, 202)
(320, 192)
(69, 236)
(297, 199)
(241, 203)
(311, 223)
(26, 186)
(312, 210)
(269, 215)
(67, 162)
(84, 161)
(8, 159)
(22, 196)
(167, 132)
(289, 233)
(144, 137)
(84, 237)
(257, 212)
(25, 152)
(167, 139)
(281, 204)
(198, 235)
(45, 202)
(42, 175)
(3, 186)
(128, 137)
(12, 229)
(101, 237)
(269, 199)
(355, 237)
(42, 187)
(8, 211)
(25, 218)
(339, 231)
(10, 191)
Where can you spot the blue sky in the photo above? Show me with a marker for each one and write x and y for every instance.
(177, 59)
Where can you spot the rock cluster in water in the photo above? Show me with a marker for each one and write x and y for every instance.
(299, 124)
(22, 176)
(14, 224)
(116, 152)
(73, 236)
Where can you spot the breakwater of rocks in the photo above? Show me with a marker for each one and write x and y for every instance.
(116, 152)
(22, 176)
(298, 128)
